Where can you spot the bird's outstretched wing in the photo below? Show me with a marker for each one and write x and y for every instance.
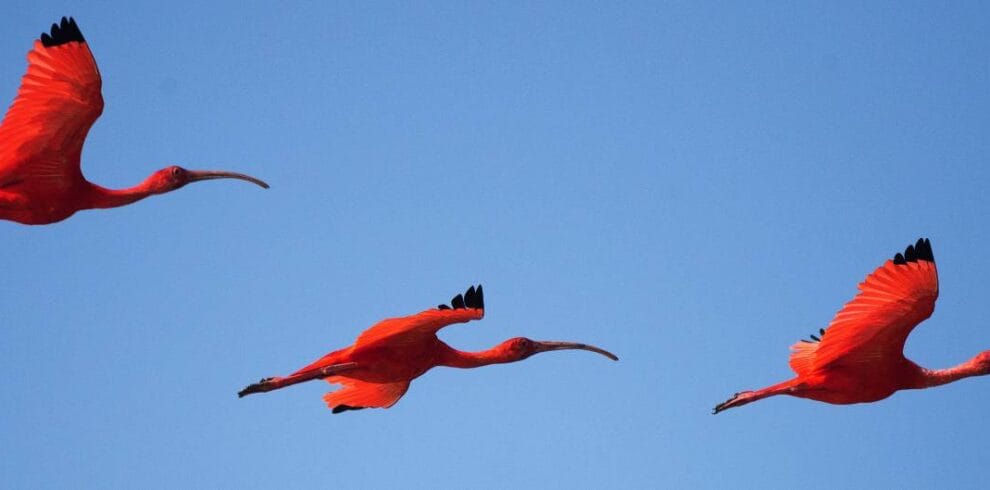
(462, 308)
(42, 133)
(876, 323)
(357, 394)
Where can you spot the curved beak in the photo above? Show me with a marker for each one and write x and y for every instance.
(548, 345)
(198, 175)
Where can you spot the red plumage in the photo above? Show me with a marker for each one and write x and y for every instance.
(376, 370)
(860, 355)
(42, 136)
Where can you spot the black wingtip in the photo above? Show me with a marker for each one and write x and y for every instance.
(910, 255)
(815, 338)
(344, 408)
(920, 250)
(924, 249)
(66, 31)
(473, 298)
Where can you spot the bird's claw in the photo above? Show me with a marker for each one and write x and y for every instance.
(260, 387)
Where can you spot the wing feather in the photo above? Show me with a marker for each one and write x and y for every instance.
(470, 306)
(357, 394)
(59, 99)
(874, 326)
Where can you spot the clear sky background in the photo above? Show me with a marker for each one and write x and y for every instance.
(692, 186)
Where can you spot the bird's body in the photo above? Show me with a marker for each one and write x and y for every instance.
(377, 369)
(859, 358)
(15, 206)
(42, 135)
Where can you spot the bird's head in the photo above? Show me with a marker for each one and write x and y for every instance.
(519, 348)
(175, 177)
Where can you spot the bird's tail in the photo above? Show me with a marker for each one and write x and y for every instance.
(744, 397)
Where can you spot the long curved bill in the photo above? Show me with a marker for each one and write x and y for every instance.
(197, 175)
(548, 345)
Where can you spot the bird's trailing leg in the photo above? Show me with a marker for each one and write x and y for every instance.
(269, 384)
(744, 397)
(265, 385)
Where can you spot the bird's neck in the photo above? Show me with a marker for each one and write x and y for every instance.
(459, 359)
(938, 377)
(101, 197)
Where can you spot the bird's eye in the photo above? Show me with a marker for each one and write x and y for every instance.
(175, 171)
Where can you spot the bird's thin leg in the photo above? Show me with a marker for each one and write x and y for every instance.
(744, 397)
(269, 384)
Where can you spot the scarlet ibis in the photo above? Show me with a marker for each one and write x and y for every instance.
(376, 370)
(859, 357)
(41, 138)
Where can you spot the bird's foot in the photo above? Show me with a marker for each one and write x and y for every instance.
(736, 400)
(266, 384)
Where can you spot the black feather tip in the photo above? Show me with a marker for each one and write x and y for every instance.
(815, 338)
(64, 32)
(473, 298)
(921, 250)
(344, 408)
(469, 297)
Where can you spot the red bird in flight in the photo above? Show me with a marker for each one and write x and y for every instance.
(376, 371)
(859, 357)
(41, 138)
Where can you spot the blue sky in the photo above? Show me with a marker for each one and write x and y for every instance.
(692, 186)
